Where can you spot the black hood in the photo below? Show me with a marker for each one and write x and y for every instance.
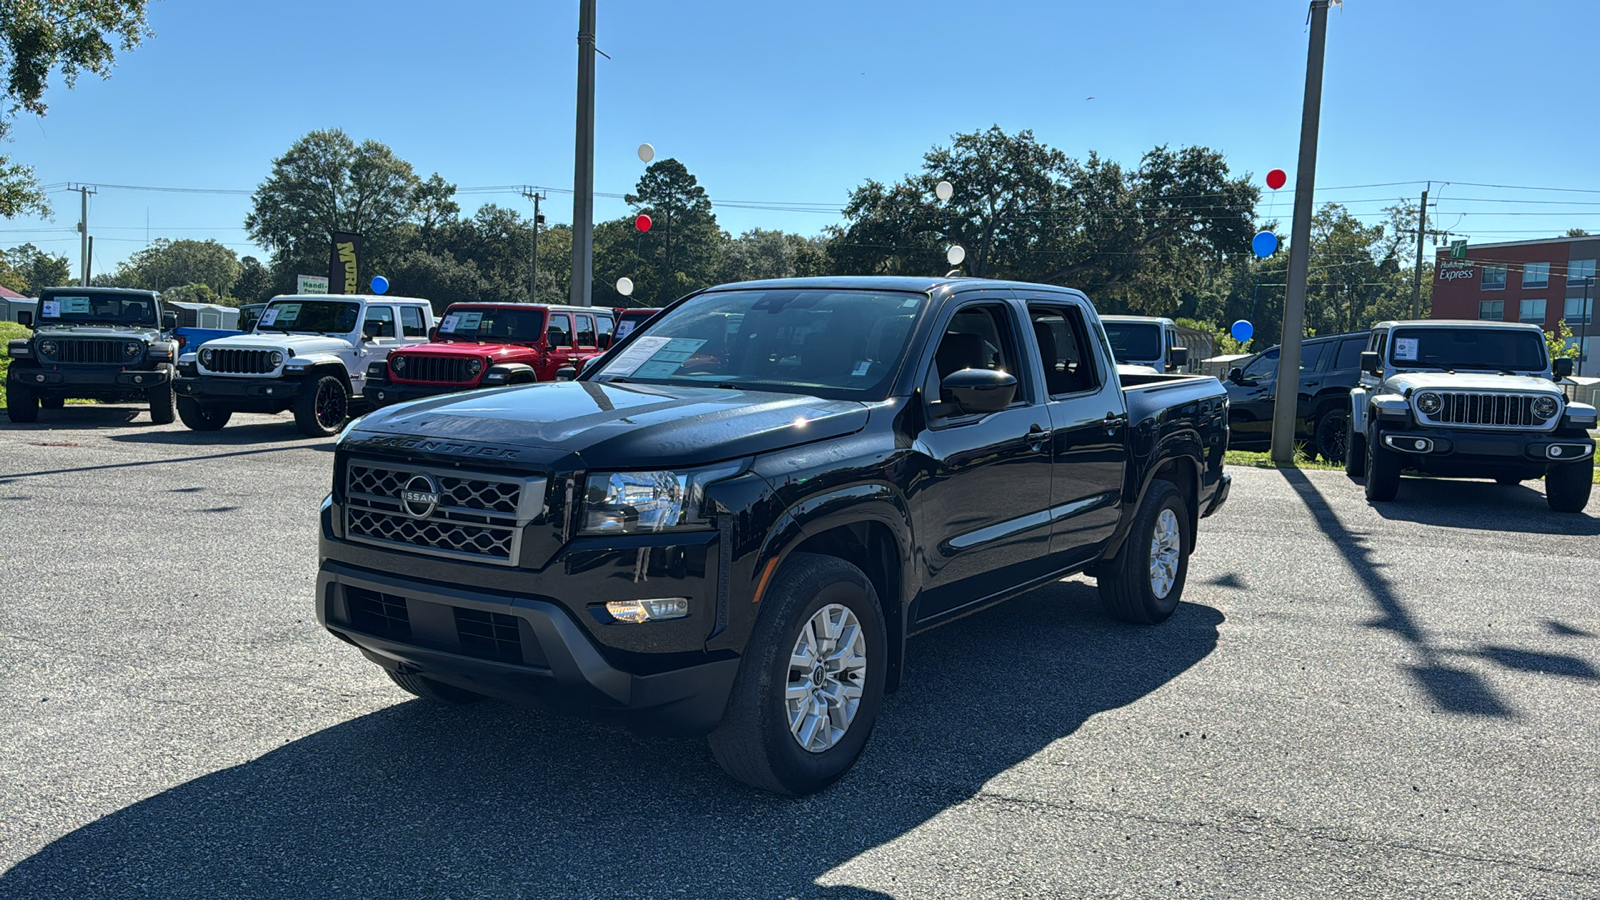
(592, 425)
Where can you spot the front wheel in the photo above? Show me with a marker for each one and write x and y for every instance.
(1144, 583)
(1383, 471)
(200, 417)
(322, 407)
(22, 404)
(163, 404)
(1355, 450)
(1333, 435)
(812, 680)
(1567, 485)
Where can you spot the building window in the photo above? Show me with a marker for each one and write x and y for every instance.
(1577, 271)
(1535, 275)
(1575, 314)
(1492, 310)
(1532, 311)
(1494, 278)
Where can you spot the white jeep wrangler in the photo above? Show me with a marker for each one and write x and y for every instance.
(308, 353)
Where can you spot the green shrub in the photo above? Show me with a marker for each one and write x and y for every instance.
(8, 332)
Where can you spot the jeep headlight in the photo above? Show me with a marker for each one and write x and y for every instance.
(648, 502)
(398, 364)
(1545, 407)
(205, 357)
(47, 348)
(1429, 403)
(277, 358)
(131, 349)
(474, 366)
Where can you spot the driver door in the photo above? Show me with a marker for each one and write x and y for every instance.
(1250, 403)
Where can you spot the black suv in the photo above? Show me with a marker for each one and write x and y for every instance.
(1329, 368)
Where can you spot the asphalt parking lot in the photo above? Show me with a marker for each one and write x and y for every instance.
(1394, 701)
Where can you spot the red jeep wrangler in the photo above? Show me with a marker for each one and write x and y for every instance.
(480, 345)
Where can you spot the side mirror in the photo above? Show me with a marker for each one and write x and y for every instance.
(980, 390)
(433, 333)
(1370, 362)
(1562, 368)
(566, 373)
(1236, 375)
(169, 321)
(1177, 358)
(25, 318)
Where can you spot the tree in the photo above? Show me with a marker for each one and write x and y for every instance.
(255, 282)
(679, 253)
(1561, 342)
(327, 183)
(40, 38)
(1577, 232)
(194, 293)
(38, 268)
(165, 264)
(759, 253)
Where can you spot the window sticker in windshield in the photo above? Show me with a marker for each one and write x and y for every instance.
(469, 321)
(448, 325)
(268, 318)
(286, 313)
(74, 305)
(50, 309)
(624, 328)
(666, 361)
(1405, 348)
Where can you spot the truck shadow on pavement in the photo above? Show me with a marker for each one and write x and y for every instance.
(1481, 505)
(231, 436)
(494, 800)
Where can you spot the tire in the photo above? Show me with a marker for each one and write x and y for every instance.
(1332, 434)
(322, 407)
(755, 743)
(163, 404)
(1508, 480)
(22, 404)
(1567, 486)
(1355, 450)
(1131, 588)
(1383, 471)
(201, 417)
(436, 691)
(52, 403)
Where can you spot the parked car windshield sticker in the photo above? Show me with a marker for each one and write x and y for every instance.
(286, 314)
(624, 328)
(50, 309)
(469, 321)
(666, 361)
(269, 317)
(73, 305)
(1405, 348)
(448, 325)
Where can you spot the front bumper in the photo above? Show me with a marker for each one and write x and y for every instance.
(216, 387)
(384, 393)
(1462, 452)
(1221, 496)
(108, 378)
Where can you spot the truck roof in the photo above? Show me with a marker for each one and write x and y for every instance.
(369, 298)
(507, 304)
(1153, 320)
(918, 283)
(1460, 323)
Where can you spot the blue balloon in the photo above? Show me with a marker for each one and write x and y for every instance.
(1265, 244)
(379, 284)
(1242, 330)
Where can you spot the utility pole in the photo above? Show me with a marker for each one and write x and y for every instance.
(1583, 339)
(583, 164)
(538, 219)
(1416, 277)
(83, 233)
(1285, 410)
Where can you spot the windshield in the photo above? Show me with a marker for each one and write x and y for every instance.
(1133, 342)
(463, 323)
(97, 309)
(319, 316)
(832, 343)
(1498, 349)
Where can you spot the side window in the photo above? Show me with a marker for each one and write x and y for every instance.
(1311, 354)
(585, 331)
(412, 323)
(605, 331)
(380, 322)
(559, 334)
(1264, 367)
(1350, 355)
(1380, 343)
(1064, 349)
(978, 337)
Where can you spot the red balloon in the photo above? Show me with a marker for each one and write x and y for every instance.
(642, 223)
(1277, 178)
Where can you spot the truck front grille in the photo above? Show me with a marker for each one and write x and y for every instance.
(240, 362)
(94, 350)
(431, 369)
(382, 615)
(1465, 409)
(441, 512)
(488, 635)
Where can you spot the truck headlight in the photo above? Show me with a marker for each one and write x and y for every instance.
(47, 348)
(1545, 407)
(398, 364)
(474, 366)
(1429, 403)
(277, 358)
(205, 357)
(131, 349)
(648, 502)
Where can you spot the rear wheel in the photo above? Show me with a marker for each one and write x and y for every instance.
(1144, 583)
(22, 404)
(163, 404)
(1333, 435)
(1567, 486)
(1383, 471)
(322, 407)
(812, 681)
(1355, 450)
(201, 417)
(437, 691)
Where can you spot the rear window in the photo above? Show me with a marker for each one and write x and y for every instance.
(1134, 342)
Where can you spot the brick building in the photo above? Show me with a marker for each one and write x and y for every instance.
(1541, 282)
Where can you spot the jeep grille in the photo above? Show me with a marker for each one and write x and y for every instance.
(1464, 409)
(478, 517)
(240, 362)
(94, 350)
(432, 369)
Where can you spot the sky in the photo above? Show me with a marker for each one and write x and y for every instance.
(781, 107)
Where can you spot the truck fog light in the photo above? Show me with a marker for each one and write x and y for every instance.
(138, 379)
(648, 610)
(1420, 445)
(1555, 451)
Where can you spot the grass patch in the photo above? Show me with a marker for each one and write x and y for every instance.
(1264, 460)
(9, 331)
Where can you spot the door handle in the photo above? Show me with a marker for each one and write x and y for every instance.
(1113, 422)
(1037, 436)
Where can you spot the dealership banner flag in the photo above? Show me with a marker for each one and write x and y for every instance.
(344, 264)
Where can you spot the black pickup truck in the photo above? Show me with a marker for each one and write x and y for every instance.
(730, 523)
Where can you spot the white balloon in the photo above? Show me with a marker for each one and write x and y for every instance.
(944, 190)
(956, 254)
(646, 153)
(625, 284)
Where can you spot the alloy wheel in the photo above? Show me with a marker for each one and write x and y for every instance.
(1165, 544)
(827, 675)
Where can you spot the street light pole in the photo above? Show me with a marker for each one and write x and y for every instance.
(583, 165)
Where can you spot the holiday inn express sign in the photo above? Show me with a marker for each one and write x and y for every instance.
(1456, 269)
